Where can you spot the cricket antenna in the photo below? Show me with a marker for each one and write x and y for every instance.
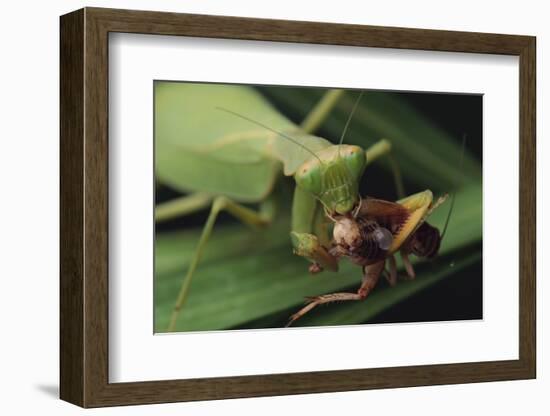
(296, 142)
(454, 193)
(350, 117)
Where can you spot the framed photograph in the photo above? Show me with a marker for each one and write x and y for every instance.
(257, 207)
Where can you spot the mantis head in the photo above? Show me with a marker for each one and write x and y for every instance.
(333, 177)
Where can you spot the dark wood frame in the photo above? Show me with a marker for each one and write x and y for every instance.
(84, 208)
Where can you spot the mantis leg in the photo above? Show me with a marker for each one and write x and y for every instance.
(371, 274)
(250, 217)
(383, 148)
(321, 110)
(182, 206)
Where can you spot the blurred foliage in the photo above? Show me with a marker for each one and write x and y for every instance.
(249, 278)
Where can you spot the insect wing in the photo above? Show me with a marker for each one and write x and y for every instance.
(402, 218)
(387, 214)
(418, 206)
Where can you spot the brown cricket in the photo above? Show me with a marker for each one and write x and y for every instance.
(371, 235)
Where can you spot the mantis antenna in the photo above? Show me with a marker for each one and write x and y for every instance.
(296, 142)
(454, 193)
(344, 133)
(350, 117)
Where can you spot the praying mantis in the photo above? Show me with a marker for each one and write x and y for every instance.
(248, 155)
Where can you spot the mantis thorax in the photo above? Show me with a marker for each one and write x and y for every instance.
(333, 177)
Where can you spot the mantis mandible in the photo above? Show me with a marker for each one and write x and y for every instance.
(327, 176)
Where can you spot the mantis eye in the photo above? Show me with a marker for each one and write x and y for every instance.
(383, 237)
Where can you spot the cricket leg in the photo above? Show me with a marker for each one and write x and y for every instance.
(408, 265)
(371, 275)
(248, 216)
(391, 277)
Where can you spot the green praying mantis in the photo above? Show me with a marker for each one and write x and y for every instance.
(248, 155)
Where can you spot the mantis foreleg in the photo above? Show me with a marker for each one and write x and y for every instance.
(250, 217)
(309, 238)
